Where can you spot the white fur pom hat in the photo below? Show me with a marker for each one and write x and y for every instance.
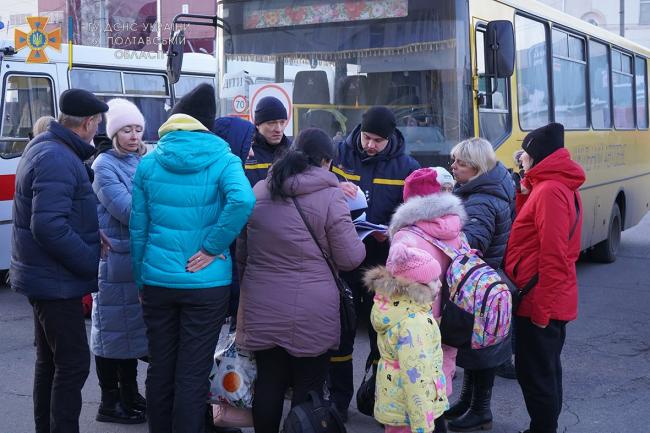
(444, 176)
(120, 114)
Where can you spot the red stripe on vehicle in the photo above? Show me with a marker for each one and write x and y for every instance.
(7, 186)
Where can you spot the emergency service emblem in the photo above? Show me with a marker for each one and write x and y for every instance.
(37, 39)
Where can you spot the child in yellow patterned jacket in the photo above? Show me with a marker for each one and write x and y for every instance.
(410, 391)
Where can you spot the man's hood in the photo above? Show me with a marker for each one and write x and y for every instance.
(186, 146)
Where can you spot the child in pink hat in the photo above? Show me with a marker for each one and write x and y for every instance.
(411, 389)
(438, 214)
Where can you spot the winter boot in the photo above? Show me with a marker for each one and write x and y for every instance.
(131, 398)
(479, 415)
(111, 410)
(462, 405)
(440, 425)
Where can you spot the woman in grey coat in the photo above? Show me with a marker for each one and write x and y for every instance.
(118, 331)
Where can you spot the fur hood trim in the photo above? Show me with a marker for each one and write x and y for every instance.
(426, 208)
(380, 281)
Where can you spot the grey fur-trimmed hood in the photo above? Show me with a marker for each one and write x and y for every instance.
(380, 281)
(426, 208)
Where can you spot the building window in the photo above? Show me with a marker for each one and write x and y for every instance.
(644, 12)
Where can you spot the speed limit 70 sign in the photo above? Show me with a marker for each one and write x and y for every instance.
(240, 104)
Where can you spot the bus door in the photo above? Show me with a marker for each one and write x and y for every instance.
(492, 97)
(27, 94)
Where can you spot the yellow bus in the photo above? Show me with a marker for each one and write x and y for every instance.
(426, 60)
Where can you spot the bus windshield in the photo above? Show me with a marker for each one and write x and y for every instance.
(334, 59)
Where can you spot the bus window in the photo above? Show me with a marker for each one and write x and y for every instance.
(623, 90)
(601, 107)
(26, 99)
(145, 84)
(532, 73)
(335, 62)
(96, 81)
(188, 82)
(641, 93)
(569, 80)
(495, 120)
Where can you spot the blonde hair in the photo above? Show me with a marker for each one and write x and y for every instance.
(142, 148)
(41, 125)
(477, 152)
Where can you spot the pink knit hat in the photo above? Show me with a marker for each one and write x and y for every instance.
(413, 264)
(421, 182)
(122, 112)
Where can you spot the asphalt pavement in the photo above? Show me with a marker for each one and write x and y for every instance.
(606, 358)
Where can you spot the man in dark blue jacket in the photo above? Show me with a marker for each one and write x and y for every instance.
(269, 141)
(373, 157)
(55, 255)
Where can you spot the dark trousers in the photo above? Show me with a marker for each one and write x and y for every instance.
(183, 328)
(340, 380)
(113, 372)
(276, 370)
(62, 364)
(539, 371)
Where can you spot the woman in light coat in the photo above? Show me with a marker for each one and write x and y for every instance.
(118, 335)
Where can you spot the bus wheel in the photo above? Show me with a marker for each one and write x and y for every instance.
(605, 251)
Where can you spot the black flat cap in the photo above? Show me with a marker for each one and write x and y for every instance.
(80, 103)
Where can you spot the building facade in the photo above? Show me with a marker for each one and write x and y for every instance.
(607, 14)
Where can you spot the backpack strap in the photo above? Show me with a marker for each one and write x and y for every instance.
(449, 251)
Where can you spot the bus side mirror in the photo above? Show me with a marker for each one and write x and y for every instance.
(175, 56)
(499, 49)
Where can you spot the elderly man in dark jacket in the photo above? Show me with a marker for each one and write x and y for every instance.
(374, 158)
(55, 255)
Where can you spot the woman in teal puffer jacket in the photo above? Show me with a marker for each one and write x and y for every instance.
(190, 201)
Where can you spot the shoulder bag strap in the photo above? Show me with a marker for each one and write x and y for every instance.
(533, 281)
(313, 236)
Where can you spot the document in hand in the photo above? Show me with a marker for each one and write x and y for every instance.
(364, 228)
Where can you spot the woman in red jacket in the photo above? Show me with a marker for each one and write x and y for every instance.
(545, 244)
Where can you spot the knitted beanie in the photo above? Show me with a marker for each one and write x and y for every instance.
(122, 113)
(412, 264)
(200, 103)
(444, 176)
(543, 141)
(421, 182)
(269, 108)
(379, 121)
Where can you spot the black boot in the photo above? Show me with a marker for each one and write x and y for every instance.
(462, 405)
(440, 425)
(111, 410)
(131, 398)
(479, 415)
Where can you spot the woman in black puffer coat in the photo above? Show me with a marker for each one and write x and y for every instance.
(488, 194)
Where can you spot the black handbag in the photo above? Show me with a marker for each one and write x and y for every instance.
(346, 298)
